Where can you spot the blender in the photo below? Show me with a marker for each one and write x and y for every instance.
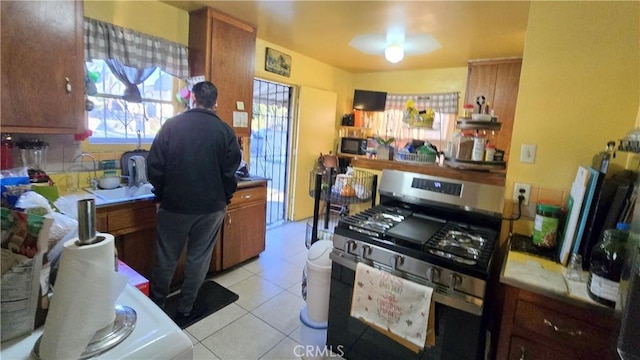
(33, 154)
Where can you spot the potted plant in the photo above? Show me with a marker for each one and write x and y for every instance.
(384, 150)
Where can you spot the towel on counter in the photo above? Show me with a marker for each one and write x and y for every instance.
(140, 170)
(396, 307)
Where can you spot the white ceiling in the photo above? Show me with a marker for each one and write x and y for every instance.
(323, 29)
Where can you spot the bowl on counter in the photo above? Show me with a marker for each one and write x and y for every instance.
(109, 182)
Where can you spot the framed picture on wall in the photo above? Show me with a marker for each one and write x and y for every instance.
(277, 62)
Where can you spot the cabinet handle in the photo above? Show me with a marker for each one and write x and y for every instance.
(558, 329)
(67, 85)
(245, 197)
(523, 353)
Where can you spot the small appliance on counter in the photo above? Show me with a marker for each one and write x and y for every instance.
(33, 155)
(354, 145)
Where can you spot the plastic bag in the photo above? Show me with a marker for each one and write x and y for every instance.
(13, 183)
(35, 203)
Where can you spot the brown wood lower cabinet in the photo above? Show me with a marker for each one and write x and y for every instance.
(242, 235)
(539, 327)
(243, 232)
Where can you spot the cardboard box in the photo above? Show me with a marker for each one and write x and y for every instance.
(134, 278)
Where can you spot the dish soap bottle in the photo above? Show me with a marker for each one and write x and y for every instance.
(607, 260)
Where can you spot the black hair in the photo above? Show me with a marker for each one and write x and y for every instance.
(206, 94)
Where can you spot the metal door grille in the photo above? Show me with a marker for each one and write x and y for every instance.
(269, 142)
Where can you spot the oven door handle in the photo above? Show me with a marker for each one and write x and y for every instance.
(346, 260)
(396, 260)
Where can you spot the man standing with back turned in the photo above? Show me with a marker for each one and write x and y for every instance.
(191, 164)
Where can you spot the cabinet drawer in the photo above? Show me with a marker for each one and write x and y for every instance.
(561, 328)
(250, 195)
(124, 220)
(522, 349)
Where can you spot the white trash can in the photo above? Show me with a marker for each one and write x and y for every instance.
(316, 313)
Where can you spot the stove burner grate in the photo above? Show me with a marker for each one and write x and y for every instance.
(462, 243)
(375, 221)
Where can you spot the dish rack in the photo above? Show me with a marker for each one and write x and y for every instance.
(416, 158)
(337, 190)
(324, 229)
(344, 189)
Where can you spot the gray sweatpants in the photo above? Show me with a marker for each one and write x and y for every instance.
(199, 232)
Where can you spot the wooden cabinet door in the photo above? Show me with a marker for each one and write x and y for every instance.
(233, 46)
(243, 234)
(42, 66)
(498, 82)
(222, 48)
(504, 102)
(481, 81)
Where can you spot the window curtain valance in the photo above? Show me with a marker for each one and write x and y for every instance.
(446, 103)
(134, 49)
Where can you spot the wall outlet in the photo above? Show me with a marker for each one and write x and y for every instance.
(527, 192)
(528, 153)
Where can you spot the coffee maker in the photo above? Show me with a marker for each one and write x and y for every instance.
(33, 155)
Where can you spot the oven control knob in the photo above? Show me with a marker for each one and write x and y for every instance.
(396, 260)
(366, 250)
(349, 246)
(433, 274)
(455, 280)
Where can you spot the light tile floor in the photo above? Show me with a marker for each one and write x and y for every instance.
(264, 322)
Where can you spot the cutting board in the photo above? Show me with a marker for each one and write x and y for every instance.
(574, 206)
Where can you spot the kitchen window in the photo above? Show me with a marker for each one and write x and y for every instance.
(114, 120)
(390, 123)
(131, 79)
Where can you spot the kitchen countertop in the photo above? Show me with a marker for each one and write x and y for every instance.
(101, 202)
(545, 277)
(483, 177)
(155, 335)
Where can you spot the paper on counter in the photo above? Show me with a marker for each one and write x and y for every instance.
(84, 297)
(540, 273)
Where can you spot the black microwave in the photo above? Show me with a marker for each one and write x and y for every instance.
(352, 145)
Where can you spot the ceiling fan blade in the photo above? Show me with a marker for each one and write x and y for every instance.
(372, 44)
(420, 44)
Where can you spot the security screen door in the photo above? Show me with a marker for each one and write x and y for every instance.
(269, 143)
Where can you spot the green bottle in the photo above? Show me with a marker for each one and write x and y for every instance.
(605, 269)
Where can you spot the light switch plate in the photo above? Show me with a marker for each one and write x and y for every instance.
(528, 153)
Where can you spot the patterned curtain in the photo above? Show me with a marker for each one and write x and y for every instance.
(390, 122)
(445, 103)
(133, 49)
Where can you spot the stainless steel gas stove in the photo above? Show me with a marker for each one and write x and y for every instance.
(435, 231)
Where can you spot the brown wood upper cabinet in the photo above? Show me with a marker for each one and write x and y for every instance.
(42, 67)
(498, 80)
(222, 48)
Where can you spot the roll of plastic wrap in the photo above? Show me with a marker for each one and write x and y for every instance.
(84, 297)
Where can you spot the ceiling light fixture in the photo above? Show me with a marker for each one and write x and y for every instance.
(394, 53)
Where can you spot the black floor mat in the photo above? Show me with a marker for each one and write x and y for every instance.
(211, 298)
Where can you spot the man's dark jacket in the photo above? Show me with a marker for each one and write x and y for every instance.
(192, 163)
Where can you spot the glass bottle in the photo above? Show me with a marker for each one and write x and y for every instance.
(607, 260)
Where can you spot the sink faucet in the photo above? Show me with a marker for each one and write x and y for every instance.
(93, 182)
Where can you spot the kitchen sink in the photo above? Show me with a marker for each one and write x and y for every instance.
(123, 193)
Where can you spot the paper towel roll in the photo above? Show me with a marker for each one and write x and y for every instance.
(84, 297)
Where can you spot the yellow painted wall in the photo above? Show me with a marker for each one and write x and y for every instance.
(149, 17)
(415, 82)
(306, 71)
(579, 87)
